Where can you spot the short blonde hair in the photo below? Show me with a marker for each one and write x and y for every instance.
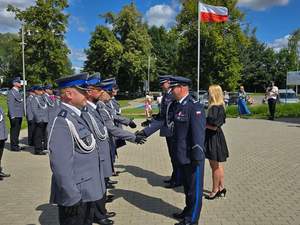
(216, 96)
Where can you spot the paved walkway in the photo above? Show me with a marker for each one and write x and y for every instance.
(261, 175)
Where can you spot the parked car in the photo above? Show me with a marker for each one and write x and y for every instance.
(4, 91)
(288, 96)
(203, 97)
(233, 98)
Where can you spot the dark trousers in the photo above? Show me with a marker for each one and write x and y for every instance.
(272, 107)
(99, 209)
(31, 126)
(40, 136)
(15, 127)
(2, 144)
(84, 216)
(192, 178)
(175, 177)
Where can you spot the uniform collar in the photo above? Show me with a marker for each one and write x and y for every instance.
(92, 104)
(169, 91)
(181, 100)
(17, 89)
(75, 109)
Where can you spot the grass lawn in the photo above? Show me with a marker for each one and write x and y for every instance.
(123, 103)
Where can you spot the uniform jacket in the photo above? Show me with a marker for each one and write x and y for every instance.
(52, 106)
(104, 147)
(114, 131)
(118, 119)
(29, 113)
(162, 119)
(75, 175)
(3, 130)
(189, 130)
(40, 109)
(15, 103)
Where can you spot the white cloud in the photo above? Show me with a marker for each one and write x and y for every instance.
(261, 4)
(77, 69)
(161, 15)
(78, 23)
(280, 43)
(8, 23)
(77, 54)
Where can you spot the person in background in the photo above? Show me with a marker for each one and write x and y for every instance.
(3, 138)
(271, 96)
(29, 116)
(242, 102)
(148, 106)
(226, 98)
(41, 119)
(158, 100)
(15, 105)
(215, 143)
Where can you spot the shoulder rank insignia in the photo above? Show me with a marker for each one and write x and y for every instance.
(63, 113)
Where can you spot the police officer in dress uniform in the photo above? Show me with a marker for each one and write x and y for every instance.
(74, 158)
(51, 100)
(101, 134)
(29, 115)
(3, 138)
(160, 122)
(188, 122)
(99, 90)
(186, 119)
(15, 112)
(41, 119)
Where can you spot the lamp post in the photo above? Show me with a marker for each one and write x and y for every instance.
(149, 65)
(23, 62)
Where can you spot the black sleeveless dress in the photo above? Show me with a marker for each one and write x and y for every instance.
(215, 143)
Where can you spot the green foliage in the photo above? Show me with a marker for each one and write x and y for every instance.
(220, 44)
(46, 54)
(126, 49)
(104, 53)
(10, 59)
(262, 111)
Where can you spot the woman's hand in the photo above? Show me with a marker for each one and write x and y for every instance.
(211, 127)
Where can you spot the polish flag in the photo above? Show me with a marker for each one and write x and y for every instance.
(210, 13)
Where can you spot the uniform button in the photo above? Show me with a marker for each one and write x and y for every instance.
(82, 178)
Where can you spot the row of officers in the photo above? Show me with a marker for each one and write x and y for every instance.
(82, 130)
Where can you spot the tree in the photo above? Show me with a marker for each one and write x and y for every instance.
(10, 59)
(220, 60)
(133, 35)
(46, 52)
(104, 53)
(165, 50)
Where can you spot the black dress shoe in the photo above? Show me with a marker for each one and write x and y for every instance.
(110, 196)
(172, 185)
(110, 186)
(110, 214)
(183, 222)
(104, 221)
(40, 153)
(21, 148)
(167, 181)
(112, 182)
(15, 149)
(178, 215)
(108, 200)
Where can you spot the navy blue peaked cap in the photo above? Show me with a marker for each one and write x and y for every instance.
(48, 87)
(77, 80)
(108, 84)
(94, 80)
(164, 78)
(178, 81)
(16, 80)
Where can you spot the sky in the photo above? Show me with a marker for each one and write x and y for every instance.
(274, 20)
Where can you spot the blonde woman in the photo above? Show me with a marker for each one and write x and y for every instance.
(215, 143)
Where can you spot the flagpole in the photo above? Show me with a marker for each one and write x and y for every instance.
(199, 49)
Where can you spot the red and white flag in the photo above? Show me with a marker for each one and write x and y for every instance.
(210, 13)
